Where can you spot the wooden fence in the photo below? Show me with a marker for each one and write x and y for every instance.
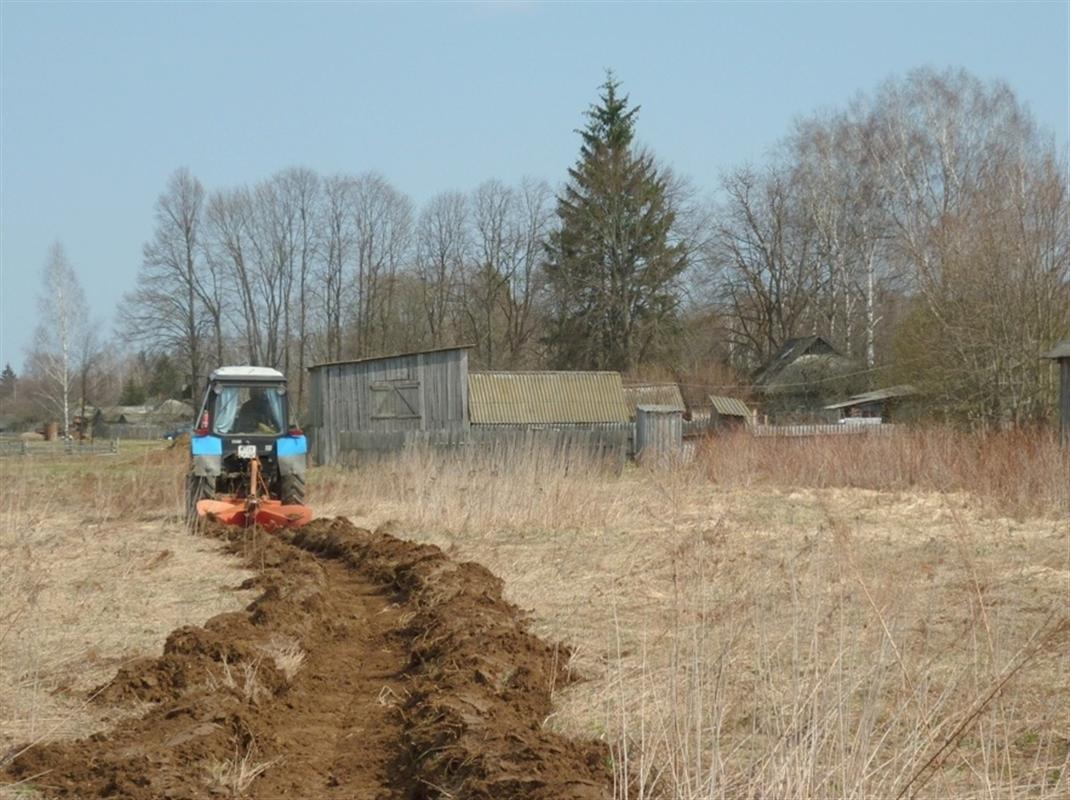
(612, 441)
(124, 431)
(17, 447)
(846, 429)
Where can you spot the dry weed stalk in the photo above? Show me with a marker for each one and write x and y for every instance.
(235, 775)
(286, 653)
(242, 679)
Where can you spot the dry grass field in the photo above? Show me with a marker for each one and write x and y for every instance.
(96, 571)
(814, 618)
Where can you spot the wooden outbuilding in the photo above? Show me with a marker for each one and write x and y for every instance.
(658, 434)
(1061, 355)
(653, 394)
(802, 377)
(729, 413)
(879, 405)
(381, 404)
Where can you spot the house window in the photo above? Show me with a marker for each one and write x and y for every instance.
(396, 400)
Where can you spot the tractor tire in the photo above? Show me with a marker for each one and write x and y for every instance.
(292, 490)
(198, 488)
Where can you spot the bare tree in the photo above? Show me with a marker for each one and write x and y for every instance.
(531, 218)
(762, 253)
(382, 227)
(338, 239)
(229, 253)
(486, 278)
(301, 189)
(174, 301)
(442, 248)
(59, 353)
(977, 200)
(841, 194)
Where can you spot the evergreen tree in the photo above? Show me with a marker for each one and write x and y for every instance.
(612, 265)
(164, 380)
(8, 382)
(133, 393)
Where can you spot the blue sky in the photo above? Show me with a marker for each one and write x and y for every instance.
(99, 103)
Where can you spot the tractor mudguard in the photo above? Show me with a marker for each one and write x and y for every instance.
(292, 455)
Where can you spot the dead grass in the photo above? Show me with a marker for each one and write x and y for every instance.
(96, 569)
(847, 618)
(234, 776)
(241, 678)
(287, 655)
(854, 634)
(1018, 473)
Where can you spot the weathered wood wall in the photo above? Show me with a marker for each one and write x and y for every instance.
(609, 441)
(658, 433)
(342, 402)
(1064, 399)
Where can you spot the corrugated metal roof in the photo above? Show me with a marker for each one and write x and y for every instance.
(389, 355)
(1062, 350)
(729, 406)
(521, 398)
(875, 396)
(653, 394)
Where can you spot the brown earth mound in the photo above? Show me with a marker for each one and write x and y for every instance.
(368, 667)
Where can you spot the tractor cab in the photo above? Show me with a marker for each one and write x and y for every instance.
(244, 450)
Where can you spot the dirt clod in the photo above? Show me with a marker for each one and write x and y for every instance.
(400, 674)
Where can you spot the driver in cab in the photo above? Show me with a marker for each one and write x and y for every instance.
(255, 415)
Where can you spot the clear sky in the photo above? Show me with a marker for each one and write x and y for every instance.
(101, 102)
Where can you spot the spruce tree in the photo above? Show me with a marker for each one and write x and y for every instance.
(8, 381)
(612, 265)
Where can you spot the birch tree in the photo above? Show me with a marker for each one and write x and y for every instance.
(59, 351)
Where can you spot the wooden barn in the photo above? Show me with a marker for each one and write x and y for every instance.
(563, 410)
(382, 404)
(805, 375)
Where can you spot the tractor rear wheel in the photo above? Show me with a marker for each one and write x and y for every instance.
(292, 490)
(198, 487)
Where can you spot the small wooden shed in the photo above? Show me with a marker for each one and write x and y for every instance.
(653, 394)
(382, 404)
(658, 433)
(729, 413)
(1061, 354)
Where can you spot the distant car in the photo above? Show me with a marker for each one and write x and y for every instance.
(179, 431)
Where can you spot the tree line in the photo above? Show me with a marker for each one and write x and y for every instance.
(922, 229)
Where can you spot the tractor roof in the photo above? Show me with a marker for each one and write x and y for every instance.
(246, 374)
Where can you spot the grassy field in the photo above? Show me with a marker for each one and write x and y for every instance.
(774, 619)
(96, 570)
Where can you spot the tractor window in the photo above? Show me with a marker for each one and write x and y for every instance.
(256, 410)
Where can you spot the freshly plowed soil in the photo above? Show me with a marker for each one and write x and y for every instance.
(418, 681)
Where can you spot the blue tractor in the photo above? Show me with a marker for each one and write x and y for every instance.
(247, 461)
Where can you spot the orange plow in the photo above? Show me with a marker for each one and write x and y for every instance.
(254, 508)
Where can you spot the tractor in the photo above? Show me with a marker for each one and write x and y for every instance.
(247, 463)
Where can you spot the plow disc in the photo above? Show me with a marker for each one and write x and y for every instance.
(256, 508)
(265, 513)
